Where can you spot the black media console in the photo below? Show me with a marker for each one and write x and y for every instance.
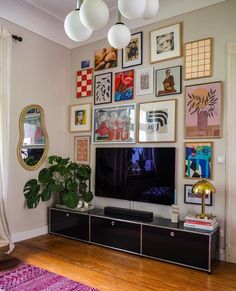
(159, 239)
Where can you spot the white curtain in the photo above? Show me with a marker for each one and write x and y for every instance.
(5, 68)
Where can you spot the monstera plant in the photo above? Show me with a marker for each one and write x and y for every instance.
(61, 176)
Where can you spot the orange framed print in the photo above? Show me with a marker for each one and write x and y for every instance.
(82, 150)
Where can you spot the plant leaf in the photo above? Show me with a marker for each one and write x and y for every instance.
(31, 189)
(87, 196)
(45, 176)
(70, 199)
(46, 195)
(55, 188)
(33, 202)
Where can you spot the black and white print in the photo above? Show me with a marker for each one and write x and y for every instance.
(103, 89)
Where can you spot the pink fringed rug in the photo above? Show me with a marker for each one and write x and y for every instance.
(25, 277)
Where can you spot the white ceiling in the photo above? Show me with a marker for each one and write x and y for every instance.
(46, 17)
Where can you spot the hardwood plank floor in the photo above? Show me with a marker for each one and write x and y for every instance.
(110, 270)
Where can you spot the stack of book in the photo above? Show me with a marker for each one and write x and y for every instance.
(192, 221)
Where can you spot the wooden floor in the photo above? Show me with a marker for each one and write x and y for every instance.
(110, 270)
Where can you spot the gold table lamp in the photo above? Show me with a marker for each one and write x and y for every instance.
(203, 188)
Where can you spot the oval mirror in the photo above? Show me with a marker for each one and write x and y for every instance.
(32, 147)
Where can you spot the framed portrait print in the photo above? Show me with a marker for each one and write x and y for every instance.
(103, 88)
(82, 150)
(165, 43)
(80, 117)
(169, 81)
(191, 198)
(144, 81)
(203, 110)
(84, 82)
(106, 58)
(124, 85)
(114, 124)
(132, 54)
(198, 160)
(157, 121)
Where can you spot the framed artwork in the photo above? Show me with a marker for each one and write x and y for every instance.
(124, 85)
(203, 110)
(80, 117)
(85, 64)
(84, 81)
(82, 150)
(132, 54)
(198, 59)
(198, 160)
(103, 88)
(106, 58)
(191, 198)
(157, 121)
(165, 43)
(114, 124)
(144, 81)
(169, 81)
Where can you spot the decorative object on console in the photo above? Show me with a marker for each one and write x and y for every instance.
(169, 81)
(106, 58)
(84, 82)
(203, 110)
(198, 160)
(82, 150)
(62, 176)
(114, 124)
(198, 59)
(132, 54)
(80, 117)
(203, 188)
(165, 43)
(191, 198)
(206, 223)
(124, 85)
(144, 81)
(103, 88)
(157, 121)
(174, 213)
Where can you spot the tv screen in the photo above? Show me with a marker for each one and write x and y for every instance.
(136, 174)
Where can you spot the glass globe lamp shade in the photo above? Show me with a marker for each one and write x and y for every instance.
(132, 9)
(151, 9)
(94, 14)
(119, 36)
(74, 28)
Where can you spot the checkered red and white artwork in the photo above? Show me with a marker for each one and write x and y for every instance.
(84, 83)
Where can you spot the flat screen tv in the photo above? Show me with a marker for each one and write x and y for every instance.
(145, 174)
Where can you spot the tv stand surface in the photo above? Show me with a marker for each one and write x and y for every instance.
(159, 239)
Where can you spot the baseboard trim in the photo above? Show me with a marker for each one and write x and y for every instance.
(231, 254)
(29, 234)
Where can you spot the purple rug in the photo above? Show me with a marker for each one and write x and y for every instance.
(25, 277)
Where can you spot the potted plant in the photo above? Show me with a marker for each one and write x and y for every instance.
(61, 176)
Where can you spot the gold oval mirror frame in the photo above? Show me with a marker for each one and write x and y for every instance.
(32, 147)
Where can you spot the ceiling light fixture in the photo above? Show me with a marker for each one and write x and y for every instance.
(131, 9)
(151, 9)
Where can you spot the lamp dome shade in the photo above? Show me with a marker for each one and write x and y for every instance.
(151, 9)
(94, 14)
(132, 9)
(74, 28)
(203, 187)
(119, 36)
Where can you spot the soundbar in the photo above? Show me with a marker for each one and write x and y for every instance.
(128, 214)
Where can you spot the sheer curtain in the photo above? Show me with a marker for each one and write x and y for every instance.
(5, 66)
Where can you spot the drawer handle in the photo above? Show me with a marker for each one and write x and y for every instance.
(172, 233)
(113, 223)
(67, 214)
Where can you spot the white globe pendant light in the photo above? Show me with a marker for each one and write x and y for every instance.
(74, 28)
(132, 9)
(151, 9)
(119, 35)
(94, 14)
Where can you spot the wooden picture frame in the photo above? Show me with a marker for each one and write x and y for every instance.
(80, 117)
(132, 54)
(198, 160)
(166, 43)
(103, 88)
(203, 110)
(157, 121)
(82, 150)
(114, 124)
(190, 198)
(169, 81)
(144, 81)
(124, 85)
(198, 59)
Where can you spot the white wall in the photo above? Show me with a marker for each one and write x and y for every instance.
(218, 22)
(40, 75)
